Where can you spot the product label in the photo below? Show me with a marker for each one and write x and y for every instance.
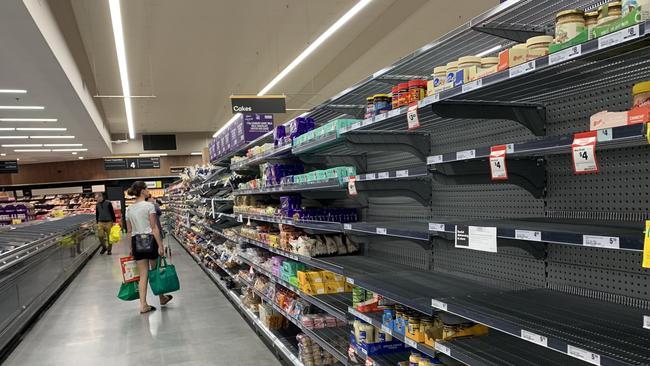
(371, 176)
(535, 338)
(604, 135)
(646, 246)
(352, 186)
(528, 235)
(412, 117)
(411, 343)
(479, 238)
(583, 355)
(584, 153)
(473, 85)
(347, 226)
(381, 231)
(402, 173)
(383, 175)
(564, 55)
(435, 159)
(610, 242)
(438, 304)
(524, 68)
(646, 322)
(442, 348)
(618, 37)
(498, 162)
(466, 154)
(436, 227)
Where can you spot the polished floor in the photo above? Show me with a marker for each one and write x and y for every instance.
(88, 325)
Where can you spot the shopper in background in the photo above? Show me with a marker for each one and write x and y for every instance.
(105, 217)
(146, 242)
(157, 204)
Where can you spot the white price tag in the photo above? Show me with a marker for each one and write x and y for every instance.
(395, 112)
(379, 117)
(498, 162)
(583, 355)
(429, 100)
(535, 338)
(412, 117)
(371, 176)
(604, 135)
(438, 304)
(465, 154)
(240, 218)
(611, 242)
(381, 230)
(435, 159)
(402, 173)
(411, 343)
(442, 348)
(386, 330)
(366, 122)
(436, 227)
(383, 175)
(584, 153)
(355, 125)
(524, 68)
(352, 186)
(565, 54)
(479, 238)
(646, 322)
(347, 226)
(621, 36)
(473, 85)
(349, 280)
(528, 235)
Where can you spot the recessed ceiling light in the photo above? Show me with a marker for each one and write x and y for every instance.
(23, 145)
(28, 119)
(153, 155)
(13, 137)
(63, 145)
(41, 129)
(196, 153)
(33, 150)
(13, 91)
(120, 48)
(51, 137)
(68, 150)
(3, 154)
(17, 159)
(19, 107)
(81, 158)
(74, 153)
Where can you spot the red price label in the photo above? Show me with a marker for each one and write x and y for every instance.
(584, 152)
(352, 186)
(498, 162)
(412, 117)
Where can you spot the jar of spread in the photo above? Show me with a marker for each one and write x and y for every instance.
(370, 107)
(487, 62)
(414, 325)
(394, 100)
(641, 94)
(439, 78)
(424, 362)
(537, 46)
(403, 91)
(414, 359)
(568, 24)
(470, 66)
(382, 103)
(610, 12)
(452, 67)
(591, 20)
(643, 6)
(417, 90)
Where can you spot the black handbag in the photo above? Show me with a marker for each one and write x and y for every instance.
(144, 244)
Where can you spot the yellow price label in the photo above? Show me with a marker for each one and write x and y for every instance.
(646, 245)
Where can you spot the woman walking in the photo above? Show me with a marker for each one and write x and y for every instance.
(146, 242)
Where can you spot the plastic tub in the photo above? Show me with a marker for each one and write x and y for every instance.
(568, 24)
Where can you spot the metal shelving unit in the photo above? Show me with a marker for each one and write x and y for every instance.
(278, 152)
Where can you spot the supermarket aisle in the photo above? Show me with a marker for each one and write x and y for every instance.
(88, 325)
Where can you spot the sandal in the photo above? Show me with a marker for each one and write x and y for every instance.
(148, 310)
(168, 298)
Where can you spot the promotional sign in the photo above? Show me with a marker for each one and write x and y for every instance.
(498, 162)
(258, 104)
(8, 166)
(412, 117)
(584, 152)
(244, 129)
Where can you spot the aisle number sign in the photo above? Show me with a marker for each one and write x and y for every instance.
(412, 117)
(498, 162)
(584, 152)
(646, 245)
(352, 186)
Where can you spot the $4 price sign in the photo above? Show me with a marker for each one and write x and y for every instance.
(498, 162)
(352, 186)
(412, 117)
(584, 152)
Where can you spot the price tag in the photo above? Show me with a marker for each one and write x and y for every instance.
(347, 226)
(498, 162)
(383, 175)
(646, 322)
(438, 304)
(535, 338)
(411, 343)
(379, 117)
(355, 125)
(646, 246)
(524, 68)
(352, 186)
(621, 36)
(386, 330)
(366, 122)
(583, 355)
(349, 280)
(528, 235)
(402, 173)
(442, 348)
(412, 118)
(597, 241)
(381, 230)
(240, 218)
(436, 159)
(371, 176)
(584, 153)
(466, 154)
(395, 112)
(604, 135)
(429, 100)
(363, 317)
(565, 54)
(473, 85)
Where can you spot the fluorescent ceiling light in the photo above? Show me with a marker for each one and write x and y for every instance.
(33, 150)
(68, 150)
(23, 145)
(52, 137)
(13, 91)
(81, 158)
(63, 145)
(118, 35)
(17, 107)
(74, 153)
(196, 153)
(489, 51)
(7, 129)
(41, 129)
(153, 155)
(3, 154)
(13, 137)
(306, 52)
(28, 119)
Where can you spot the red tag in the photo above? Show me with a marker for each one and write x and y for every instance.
(498, 162)
(584, 152)
(352, 187)
(412, 117)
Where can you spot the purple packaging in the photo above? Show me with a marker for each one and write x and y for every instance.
(243, 130)
(300, 125)
(290, 202)
(278, 135)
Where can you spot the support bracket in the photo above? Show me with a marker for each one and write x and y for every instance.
(514, 32)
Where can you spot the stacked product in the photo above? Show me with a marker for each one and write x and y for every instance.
(294, 129)
(271, 174)
(330, 129)
(271, 318)
(311, 354)
(320, 321)
(314, 176)
(373, 341)
(291, 208)
(322, 282)
(244, 129)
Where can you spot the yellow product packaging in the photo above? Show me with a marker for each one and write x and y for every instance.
(517, 55)
(313, 288)
(334, 287)
(455, 331)
(332, 277)
(315, 276)
(302, 278)
(348, 287)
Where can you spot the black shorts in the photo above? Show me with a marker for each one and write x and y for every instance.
(141, 256)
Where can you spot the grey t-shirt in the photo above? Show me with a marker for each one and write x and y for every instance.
(138, 215)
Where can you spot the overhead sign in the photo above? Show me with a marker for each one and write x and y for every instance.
(176, 170)
(8, 166)
(258, 104)
(131, 163)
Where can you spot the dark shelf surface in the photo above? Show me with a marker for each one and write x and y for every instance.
(276, 153)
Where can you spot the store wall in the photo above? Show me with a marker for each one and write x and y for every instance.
(88, 170)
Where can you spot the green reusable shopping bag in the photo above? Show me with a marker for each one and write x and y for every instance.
(129, 291)
(163, 279)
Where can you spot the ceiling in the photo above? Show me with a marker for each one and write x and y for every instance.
(189, 56)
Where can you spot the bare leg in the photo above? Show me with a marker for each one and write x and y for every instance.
(143, 268)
